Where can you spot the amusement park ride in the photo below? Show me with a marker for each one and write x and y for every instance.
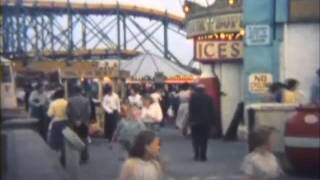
(40, 30)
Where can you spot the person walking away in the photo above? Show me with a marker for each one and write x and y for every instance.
(261, 163)
(151, 113)
(291, 94)
(200, 118)
(315, 90)
(27, 92)
(143, 162)
(38, 102)
(183, 111)
(111, 106)
(135, 97)
(78, 113)
(128, 128)
(57, 111)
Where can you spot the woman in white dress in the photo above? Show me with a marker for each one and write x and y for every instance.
(182, 114)
(143, 163)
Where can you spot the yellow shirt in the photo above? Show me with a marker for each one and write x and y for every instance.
(291, 97)
(57, 110)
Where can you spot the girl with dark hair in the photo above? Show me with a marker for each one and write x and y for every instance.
(291, 94)
(143, 163)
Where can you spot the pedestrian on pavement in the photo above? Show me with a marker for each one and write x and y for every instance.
(128, 128)
(57, 111)
(143, 162)
(78, 113)
(38, 102)
(151, 113)
(261, 163)
(112, 108)
(135, 97)
(315, 90)
(201, 116)
(183, 111)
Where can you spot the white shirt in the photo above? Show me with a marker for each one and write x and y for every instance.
(38, 99)
(111, 103)
(136, 99)
(153, 113)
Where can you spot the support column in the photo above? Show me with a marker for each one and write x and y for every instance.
(84, 32)
(165, 39)
(124, 24)
(51, 32)
(118, 30)
(43, 42)
(70, 31)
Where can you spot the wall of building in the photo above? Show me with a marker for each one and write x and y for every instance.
(230, 76)
(300, 57)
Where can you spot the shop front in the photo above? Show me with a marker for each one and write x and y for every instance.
(217, 32)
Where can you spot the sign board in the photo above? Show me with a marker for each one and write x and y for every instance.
(259, 82)
(218, 50)
(258, 35)
(215, 24)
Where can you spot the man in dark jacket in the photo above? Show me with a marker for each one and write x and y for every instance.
(201, 117)
(79, 114)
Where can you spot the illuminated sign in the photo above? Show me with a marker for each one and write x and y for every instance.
(215, 24)
(218, 50)
(259, 82)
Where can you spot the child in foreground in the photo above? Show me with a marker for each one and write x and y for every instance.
(129, 127)
(261, 163)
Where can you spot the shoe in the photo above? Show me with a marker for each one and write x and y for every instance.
(196, 158)
(203, 159)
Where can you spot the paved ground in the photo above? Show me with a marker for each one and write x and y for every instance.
(224, 159)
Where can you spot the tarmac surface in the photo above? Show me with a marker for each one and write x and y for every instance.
(224, 160)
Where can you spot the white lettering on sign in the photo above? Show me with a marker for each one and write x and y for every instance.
(214, 24)
(218, 50)
(259, 83)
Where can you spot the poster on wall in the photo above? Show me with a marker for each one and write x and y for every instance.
(209, 50)
(258, 35)
(259, 82)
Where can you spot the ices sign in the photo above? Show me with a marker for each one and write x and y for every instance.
(218, 50)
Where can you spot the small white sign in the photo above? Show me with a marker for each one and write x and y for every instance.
(258, 35)
(259, 83)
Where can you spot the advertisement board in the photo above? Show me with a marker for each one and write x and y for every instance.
(259, 82)
(214, 24)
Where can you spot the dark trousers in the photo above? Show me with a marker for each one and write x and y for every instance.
(40, 114)
(110, 124)
(200, 136)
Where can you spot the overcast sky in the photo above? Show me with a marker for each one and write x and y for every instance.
(180, 46)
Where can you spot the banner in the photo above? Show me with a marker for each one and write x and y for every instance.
(218, 50)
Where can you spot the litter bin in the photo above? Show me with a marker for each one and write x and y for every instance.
(302, 139)
(73, 146)
(273, 115)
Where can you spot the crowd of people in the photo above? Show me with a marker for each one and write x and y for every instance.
(133, 120)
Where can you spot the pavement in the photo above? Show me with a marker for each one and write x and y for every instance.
(224, 160)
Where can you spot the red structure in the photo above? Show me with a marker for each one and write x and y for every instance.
(302, 139)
